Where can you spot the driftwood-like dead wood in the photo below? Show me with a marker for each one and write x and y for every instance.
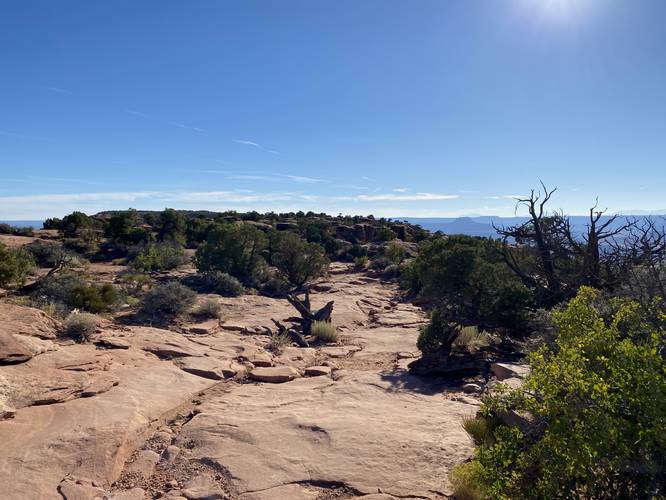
(307, 316)
(293, 334)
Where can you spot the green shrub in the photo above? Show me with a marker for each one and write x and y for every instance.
(73, 292)
(124, 228)
(80, 326)
(470, 339)
(171, 226)
(395, 252)
(236, 249)
(133, 284)
(384, 234)
(296, 259)
(597, 407)
(158, 257)
(325, 331)
(275, 287)
(166, 301)
(14, 266)
(361, 263)
(52, 223)
(16, 231)
(209, 308)
(73, 223)
(221, 283)
(465, 479)
(45, 254)
(439, 333)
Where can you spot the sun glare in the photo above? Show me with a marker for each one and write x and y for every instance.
(558, 10)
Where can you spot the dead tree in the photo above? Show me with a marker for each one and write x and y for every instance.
(291, 333)
(589, 247)
(307, 316)
(536, 229)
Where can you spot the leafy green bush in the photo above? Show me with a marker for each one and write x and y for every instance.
(124, 228)
(158, 257)
(276, 287)
(236, 249)
(52, 223)
(73, 292)
(14, 266)
(597, 411)
(16, 231)
(325, 331)
(439, 333)
(395, 252)
(80, 326)
(172, 226)
(298, 260)
(361, 263)
(73, 223)
(168, 300)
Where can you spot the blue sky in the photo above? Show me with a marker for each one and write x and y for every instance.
(410, 108)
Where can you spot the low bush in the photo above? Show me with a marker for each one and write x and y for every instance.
(297, 260)
(361, 263)
(73, 292)
(275, 287)
(220, 283)
(168, 300)
(45, 254)
(157, 257)
(470, 339)
(380, 263)
(133, 284)
(16, 231)
(278, 342)
(14, 266)
(391, 272)
(80, 326)
(465, 479)
(209, 308)
(325, 331)
(439, 333)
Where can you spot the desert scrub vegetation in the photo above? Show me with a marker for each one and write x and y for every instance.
(235, 249)
(278, 341)
(361, 263)
(80, 326)
(297, 260)
(594, 407)
(325, 331)
(157, 257)
(209, 308)
(16, 231)
(167, 301)
(14, 266)
(47, 254)
(71, 291)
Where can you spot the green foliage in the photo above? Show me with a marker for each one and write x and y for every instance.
(383, 233)
(220, 283)
(52, 223)
(16, 231)
(361, 262)
(73, 292)
(172, 226)
(325, 331)
(276, 287)
(278, 342)
(80, 326)
(196, 231)
(14, 266)
(467, 276)
(166, 301)
(465, 479)
(133, 284)
(158, 257)
(124, 228)
(298, 260)
(597, 403)
(439, 333)
(395, 252)
(45, 254)
(75, 222)
(236, 249)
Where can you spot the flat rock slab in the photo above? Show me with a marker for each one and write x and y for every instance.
(212, 368)
(509, 370)
(208, 327)
(317, 371)
(371, 432)
(144, 464)
(274, 374)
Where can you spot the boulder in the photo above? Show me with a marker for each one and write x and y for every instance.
(144, 464)
(317, 371)
(509, 370)
(12, 351)
(274, 374)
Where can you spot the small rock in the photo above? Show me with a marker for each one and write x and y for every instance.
(144, 464)
(108, 342)
(317, 371)
(260, 359)
(472, 388)
(203, 488)
(234, 327)
(509, 370)
(133, 494)
(406, 355)
(208, 327)
(173, 484)
(170, 454)
(79, 490)
(274, 374)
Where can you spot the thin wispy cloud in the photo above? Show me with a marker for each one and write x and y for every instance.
(251, 177)
(506, 197)
(400, 190)
(407, 197)
(16, 135)
(187, 127)
(255, 145)
(135, 113)
(57, 90)
(305, 180)
(63, 180)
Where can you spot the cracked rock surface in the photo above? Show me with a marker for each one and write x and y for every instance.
(145, 412)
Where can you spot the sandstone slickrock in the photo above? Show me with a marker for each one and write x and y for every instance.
(509, 370)
(274, 374)
(206, 367)
(317, 371)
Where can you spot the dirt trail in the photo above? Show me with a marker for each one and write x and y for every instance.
(366, 430)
